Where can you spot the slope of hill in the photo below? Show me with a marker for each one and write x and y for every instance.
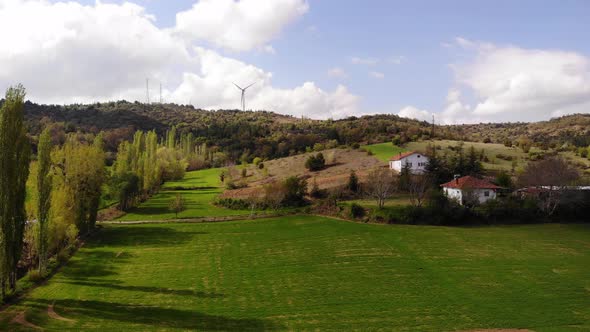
(272, 135)
(573, 129)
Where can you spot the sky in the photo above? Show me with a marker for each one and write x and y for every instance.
(461, 61)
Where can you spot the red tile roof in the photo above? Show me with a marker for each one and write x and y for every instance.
(470, 182)
(402, 155)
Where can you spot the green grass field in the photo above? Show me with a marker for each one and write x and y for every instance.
(384, 151)
(313, 273)
(199, 190)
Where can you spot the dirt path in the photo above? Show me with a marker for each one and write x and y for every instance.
(52, 314)
(20, 319)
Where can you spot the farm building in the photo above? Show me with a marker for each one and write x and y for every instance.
(470, 189)
(415, 160)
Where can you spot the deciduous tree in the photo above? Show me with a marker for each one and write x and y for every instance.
(14, 170)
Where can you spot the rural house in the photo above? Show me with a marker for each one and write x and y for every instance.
(416, 161)
(470, 189)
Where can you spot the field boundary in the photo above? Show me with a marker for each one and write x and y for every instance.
(196, 220)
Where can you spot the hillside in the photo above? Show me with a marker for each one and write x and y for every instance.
(573, 129)
(272, 135)
(339, 164)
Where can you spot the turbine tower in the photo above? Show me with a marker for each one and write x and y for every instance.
(243, 100)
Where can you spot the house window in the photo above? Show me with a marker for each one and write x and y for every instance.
(409, 164)
(486, 193)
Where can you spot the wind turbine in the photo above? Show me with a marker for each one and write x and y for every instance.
(243, 100)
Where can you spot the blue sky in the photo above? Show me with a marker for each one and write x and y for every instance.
(426, 36)
(334, 31)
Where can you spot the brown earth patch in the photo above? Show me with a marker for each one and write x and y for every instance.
(339, 164)
(52, 314)
(20, 319)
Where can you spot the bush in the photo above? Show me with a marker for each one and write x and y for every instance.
(257, 161)
(35, 276)
(233, 204)
(63, 256)
(295, 190)
(315, 163)
(356, 211)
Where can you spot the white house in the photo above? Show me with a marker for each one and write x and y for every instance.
(415, 160)
(469, 188)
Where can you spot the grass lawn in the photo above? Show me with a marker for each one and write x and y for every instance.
(201, 189)
(308, 273)
(384, 151)
(398, 200)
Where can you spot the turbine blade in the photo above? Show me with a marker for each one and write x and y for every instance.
(249, 85)
(237, 86)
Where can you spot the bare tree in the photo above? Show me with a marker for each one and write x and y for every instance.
(177, 204)
(418, 187)
(550, 176)
(381, 184)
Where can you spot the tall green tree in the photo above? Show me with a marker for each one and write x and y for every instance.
(44, 184)
(14, 170)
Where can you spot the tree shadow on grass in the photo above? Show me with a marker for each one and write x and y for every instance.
(147, 235)
(157, 317)
(93, 263)
(115, 285)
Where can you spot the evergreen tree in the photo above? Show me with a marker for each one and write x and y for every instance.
(14, 170)
(473, 165)
(404, 177)
(436, 168)
(353, 182)
(44, 184)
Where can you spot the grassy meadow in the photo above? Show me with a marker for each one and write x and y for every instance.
(198, 188)
(384, 151)
(308, 273)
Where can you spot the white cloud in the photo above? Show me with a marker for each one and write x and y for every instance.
(213, 90)
(238, 25)
(412, 112)
(337, 72)
(67, 52)
(516, 84)
(364, 61)
(377, 75)
(269, 49)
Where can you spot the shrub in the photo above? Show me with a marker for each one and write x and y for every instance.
(295, 190)
(353, 183)
(35, 276)
(356, 211)
(316, 192)
(315, 163)
(257, 161)
(233, 204)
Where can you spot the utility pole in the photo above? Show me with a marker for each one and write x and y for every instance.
(432, 130)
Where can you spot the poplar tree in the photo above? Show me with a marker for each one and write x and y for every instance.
(14, 170)
(44, 184)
